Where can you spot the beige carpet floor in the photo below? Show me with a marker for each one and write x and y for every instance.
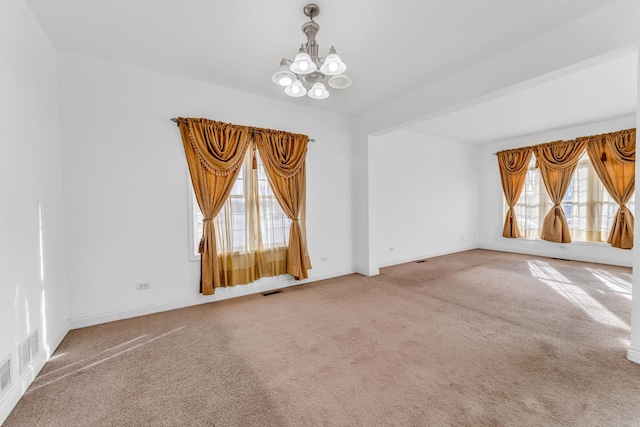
(470, 339)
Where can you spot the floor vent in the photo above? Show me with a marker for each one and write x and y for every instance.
(5, 375)
(266, 294)
(28, 351)
(421, 261)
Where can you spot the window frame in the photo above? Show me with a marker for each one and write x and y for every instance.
(195, 217)
(192, 220)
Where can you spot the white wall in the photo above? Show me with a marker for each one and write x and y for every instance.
(634, 347)
(32, 273)
(125, 185)
(492, 201)
(426, 205)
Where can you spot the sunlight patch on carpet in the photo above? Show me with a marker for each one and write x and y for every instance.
(615, 283)
(574, 294)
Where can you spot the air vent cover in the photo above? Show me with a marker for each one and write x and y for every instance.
(5, 375)
(28, 351)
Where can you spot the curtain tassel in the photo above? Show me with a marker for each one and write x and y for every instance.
(201, 246)
(603, 157)
(254, 160)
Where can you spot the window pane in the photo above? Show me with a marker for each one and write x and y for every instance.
(274, 223)
(531, 203)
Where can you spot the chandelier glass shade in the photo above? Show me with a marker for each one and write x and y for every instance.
(309, 68)
(296, 89)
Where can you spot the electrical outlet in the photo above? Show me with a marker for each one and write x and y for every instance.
(143, 286)
(323, 259)
(391, 249)
(563, 247)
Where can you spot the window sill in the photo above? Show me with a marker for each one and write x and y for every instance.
(575, 242)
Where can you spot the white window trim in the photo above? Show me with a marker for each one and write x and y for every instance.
(191, 241)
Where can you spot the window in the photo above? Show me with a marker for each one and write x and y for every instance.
(251, 213)
(533, 204)
(589, 209)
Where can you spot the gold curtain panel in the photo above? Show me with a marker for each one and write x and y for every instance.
(557, 161)
(214, 152)
(613, 158)
(513, 171)
(285, 167)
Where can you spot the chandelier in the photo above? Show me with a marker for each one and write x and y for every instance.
(309, 68)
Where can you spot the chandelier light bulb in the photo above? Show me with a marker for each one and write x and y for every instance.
(333, 65)
(283, 77)
(296, 90)
(303, 64)
(318, 91)
(285, 81)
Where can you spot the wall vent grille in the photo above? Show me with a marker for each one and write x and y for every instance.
(5, 375)
(27, 351)
(34, 347)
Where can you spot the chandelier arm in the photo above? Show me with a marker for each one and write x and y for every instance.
(327, 53)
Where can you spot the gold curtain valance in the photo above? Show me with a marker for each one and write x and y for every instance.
(220, 147)
(621, 145)
(514, 162)
(628, 141)
(559, 155)
(285, 152)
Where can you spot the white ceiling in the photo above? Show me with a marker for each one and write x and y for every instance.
(391, 49)
(604, 91)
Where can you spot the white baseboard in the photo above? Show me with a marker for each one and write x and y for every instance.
(374, 271)
(564, 255)
(23, 382)
(264, 285)
(633, 355)
(430, 255)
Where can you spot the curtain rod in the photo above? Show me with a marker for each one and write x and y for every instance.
(580, 137)
(176, 120)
